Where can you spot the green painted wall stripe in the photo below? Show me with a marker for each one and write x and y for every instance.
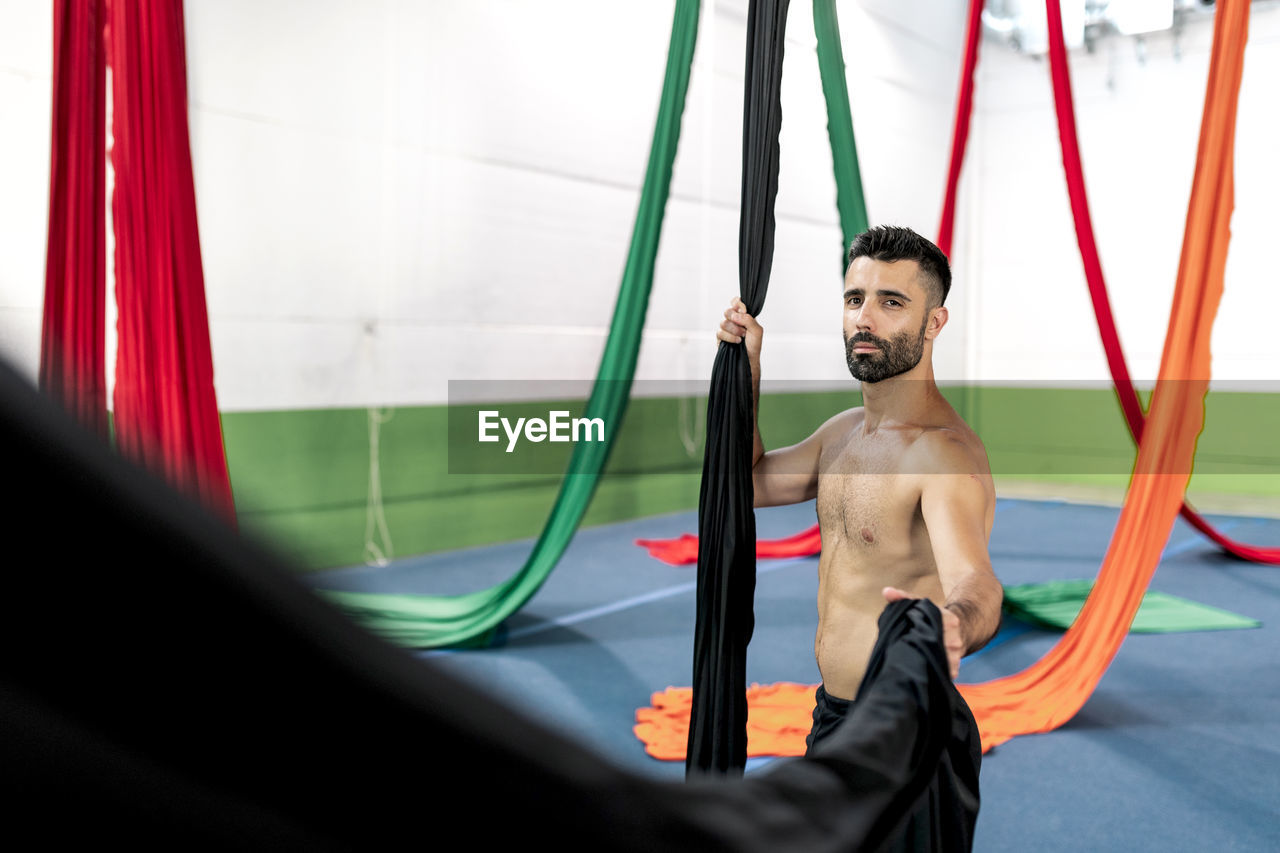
(301, 477)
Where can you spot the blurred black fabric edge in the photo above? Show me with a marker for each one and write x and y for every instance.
(165, 680)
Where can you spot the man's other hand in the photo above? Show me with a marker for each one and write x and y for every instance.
(952, 636)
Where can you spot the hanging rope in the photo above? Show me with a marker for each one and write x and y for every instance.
(377, 552)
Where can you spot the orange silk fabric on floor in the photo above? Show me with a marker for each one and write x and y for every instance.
(778, 720)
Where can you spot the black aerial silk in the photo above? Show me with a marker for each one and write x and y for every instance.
(165, 681)
(726, 521)
(943, 792)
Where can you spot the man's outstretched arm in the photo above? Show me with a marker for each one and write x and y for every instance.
(956, 504)
(955, 509)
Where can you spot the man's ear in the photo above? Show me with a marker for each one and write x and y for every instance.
(937, 319)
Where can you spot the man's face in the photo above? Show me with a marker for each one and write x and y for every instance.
(886, 318)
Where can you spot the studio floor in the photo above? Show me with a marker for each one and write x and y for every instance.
(1178, 748)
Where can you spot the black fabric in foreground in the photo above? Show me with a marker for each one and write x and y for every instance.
(946, 803)
(165, 681)
(726, 519)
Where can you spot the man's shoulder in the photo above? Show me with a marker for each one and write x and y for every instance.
(841, 422)
(948, 449)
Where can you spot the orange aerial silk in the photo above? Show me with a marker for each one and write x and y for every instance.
(1051, 691)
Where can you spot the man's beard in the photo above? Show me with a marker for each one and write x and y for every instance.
(897, 355)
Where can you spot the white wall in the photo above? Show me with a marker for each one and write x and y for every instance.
(395, 193)
(26, 81)
(1138, 118)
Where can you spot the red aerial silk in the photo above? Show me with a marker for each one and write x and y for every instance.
(166, 412)
(960, 135)
(73, 335)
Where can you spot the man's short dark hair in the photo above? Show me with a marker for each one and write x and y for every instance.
(890, 243)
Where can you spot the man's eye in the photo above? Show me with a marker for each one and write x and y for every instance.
(893, 302)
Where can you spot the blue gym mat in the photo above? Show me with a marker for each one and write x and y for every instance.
(1178, 748)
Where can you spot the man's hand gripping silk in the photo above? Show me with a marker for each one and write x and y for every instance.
(952, 635)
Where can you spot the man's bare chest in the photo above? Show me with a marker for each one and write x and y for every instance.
(866, 502)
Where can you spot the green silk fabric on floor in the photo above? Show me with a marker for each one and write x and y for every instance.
(1055, 605)
(470, 620)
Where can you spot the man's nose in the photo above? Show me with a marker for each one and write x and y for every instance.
(863, 319)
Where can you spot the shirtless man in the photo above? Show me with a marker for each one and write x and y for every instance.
(905, 497)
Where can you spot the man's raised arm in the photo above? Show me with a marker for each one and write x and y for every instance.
(788, 475)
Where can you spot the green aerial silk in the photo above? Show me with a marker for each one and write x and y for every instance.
(844, 153)
(470, 620)
(1056, 604)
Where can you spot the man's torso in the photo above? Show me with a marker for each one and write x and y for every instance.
(873, 536)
